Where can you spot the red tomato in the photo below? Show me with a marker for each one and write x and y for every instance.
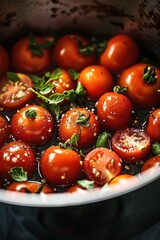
(96, 80)
(4, 61)
(4, 130)
(32, 124)
(151, 162)
(15, 94)
(144, 94)
(121, 52)
(101, 165)
(29, 187)
(153, 126)
(131, 144)
(17, 154)
(123, 180)
(24, 60)
(82, 122)
(114, 111)
(68, 52)
(61, 166)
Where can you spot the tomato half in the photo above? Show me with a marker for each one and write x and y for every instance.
(4, 130)
(96, 80)
(32, 124)
(121, 52)
(101, 165)
(114, 111)
(4, 61)
(69, 52)
(61, 166)
(17, 154)
(25, 59)
(15, 94)
(82, 122)
(143, 84)
(29, 187)
(131, 144)
(153, 126)
(151, 162)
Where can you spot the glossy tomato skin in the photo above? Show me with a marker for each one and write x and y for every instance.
(151, 162)
(131, 144)
(153, 126)
(71, 124)
(96, 80)
(121, 52)
(114, 111)
(15, 94)
(24, 61)
(78, 189)
(123, 180)
(4, 61)
(33, 124)
(67, 54)
(17, 154)
(61, 166)
(101, 165)
(143, 95)
(4, 130)
(29, 187)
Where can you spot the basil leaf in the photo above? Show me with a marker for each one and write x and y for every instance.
(13, 76)
(57, 98)
(55, 75)
(70, 95)
(74, 74)
(46, 89)
(74, 139)
(86, 184)
(18, 174)
(55, 110)
(80, 90)
(103, 139)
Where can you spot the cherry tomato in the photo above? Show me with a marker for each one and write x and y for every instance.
(121, 52)
(143, 84)
(151, 162)
(4, 130)
(96, 80)
(153, 126)
(70, 51)
(15, 94)
(123, 180)
(82, 122)
(101, 165)
(78, 189)
(61, 166)
(32, 124)
(17, 154)
(29, 187)
(4, 61)
(27, 56)
(131, 144)
(114, 111)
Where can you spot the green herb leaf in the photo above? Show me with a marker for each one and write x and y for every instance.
(13, 76)
(55, 110)
(86, 184)
(103, 140)
(46, 88)
(57, 98)
(18, 174)
(74, 74)
(70, 95)
(55, 75)
(80, 90)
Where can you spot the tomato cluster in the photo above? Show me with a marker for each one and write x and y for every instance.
(76, 113)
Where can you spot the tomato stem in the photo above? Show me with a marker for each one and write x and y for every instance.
(31, 113)
(119, 89)
(149, 75)
(156, 148)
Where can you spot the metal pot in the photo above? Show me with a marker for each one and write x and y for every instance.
(96, 214)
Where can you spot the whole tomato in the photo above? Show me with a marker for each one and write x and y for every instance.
(114, 111)
(122, 180)
(131, 144)
(151, 162)
(121, 52)
(60, 166)
(30, 187)
(31, 55)
(32, 124)
(101, 165)
(96, 80)
(4, 130)
(153, 126)
(17, 154)
(73, 51)
(4, 61)
(143, 83)
(15, 91)
(81, 122)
